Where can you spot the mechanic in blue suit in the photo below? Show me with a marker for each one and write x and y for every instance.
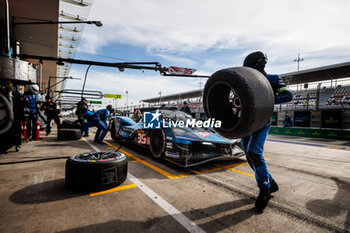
(253, 144)
(32, 113)
(98, 119)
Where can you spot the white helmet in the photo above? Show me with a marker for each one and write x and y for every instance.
(34, 88)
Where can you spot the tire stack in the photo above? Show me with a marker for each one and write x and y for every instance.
(69, 131)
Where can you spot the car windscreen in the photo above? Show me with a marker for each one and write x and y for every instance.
(175, 115)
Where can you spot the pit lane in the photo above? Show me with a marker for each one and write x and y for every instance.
(219, 196)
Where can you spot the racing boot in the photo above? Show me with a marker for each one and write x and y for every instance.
(263, 199)
(273, 186)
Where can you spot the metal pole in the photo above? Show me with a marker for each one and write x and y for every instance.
(127, 99)
(41, 76)
(7, 16)
(298, 60)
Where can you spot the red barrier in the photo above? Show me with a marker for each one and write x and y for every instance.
(24, 128)
(37, 134)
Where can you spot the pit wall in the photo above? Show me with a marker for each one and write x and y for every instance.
(316, 127)
(311, 132)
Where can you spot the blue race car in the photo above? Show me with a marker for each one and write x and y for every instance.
(186, 146)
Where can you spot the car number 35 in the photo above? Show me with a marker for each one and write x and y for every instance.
(142, 138)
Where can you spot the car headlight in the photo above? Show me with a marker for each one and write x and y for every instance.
(179, 132)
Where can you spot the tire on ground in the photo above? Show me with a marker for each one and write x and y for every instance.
(255, 95)
(157, 143)
(68, 134)
(70, 125)
(96, 171)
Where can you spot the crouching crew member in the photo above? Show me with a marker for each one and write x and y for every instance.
(98, 119)
(253, 144)
(52, 113)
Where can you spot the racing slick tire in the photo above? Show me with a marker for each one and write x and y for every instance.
(157, 143)
(66, 124)
(68, 134)
(96, 171)
(6, 115)
(241, 98)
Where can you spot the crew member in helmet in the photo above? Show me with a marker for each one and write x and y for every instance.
(32, 110)
(51, 113)
(82, 106)
(186, 109)
(98, 119)
(253, 144)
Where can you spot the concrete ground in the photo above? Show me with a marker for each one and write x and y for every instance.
(313, 175)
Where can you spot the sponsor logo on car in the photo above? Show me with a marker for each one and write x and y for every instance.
(172, 155)
(203, 134)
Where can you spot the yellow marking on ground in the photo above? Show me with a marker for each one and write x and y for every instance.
(157, 169)
(244, 173)
(135, 161)
(334, 147)
(113, 190)
(230, 167)
(233, 165)
(208, 170)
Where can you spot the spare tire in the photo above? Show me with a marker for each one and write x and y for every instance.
(70, 124)
(96, 171)
(68, 134)
(241, 98)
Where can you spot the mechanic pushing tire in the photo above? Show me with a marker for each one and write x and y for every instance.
(241, 97)
(157, 143)
(96, 171)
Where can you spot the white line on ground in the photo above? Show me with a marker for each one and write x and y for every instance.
(171, 210)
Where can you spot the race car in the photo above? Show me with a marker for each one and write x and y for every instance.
(184, 146)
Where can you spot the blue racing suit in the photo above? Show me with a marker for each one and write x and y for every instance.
(98, 119)
(253, 144)
(32, 113)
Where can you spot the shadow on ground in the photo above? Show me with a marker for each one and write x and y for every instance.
(333, 207)
(53, 190)
(214, 224)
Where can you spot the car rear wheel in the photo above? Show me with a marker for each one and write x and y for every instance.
(157, 143)
(113, 132)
